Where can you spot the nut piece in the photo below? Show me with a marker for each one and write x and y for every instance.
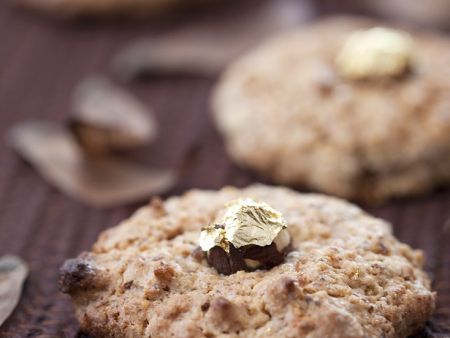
(375, 53)
(250, 235)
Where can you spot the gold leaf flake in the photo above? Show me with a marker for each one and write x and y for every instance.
(249, 222)
(244, 222)
(375, 53)
(212, 236)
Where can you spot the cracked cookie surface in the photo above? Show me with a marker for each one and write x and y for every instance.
(286, 111)
(346, 276)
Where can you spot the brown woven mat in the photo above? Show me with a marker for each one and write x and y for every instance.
(40, 62)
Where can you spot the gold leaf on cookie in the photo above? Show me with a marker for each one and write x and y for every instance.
(249, 222)
(247, 236)
(212, 236)
(375, 53)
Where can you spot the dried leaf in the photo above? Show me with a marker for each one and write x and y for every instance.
(102, 181)
(106, 118)
(13, 272)
(206, 50)
(171, 57)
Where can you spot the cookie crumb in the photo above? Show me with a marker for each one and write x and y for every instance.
(153, 292)
(157, 206)
(198, 254)
(221, 304)
(128, 285)
(164, 272)
(226, 315)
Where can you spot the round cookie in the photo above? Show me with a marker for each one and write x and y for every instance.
(345, 276)
(287, 112)
(77, 8)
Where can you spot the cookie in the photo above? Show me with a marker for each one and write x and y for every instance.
(345, 274)
(303, 110)
(82, 8)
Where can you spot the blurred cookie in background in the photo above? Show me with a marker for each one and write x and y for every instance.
(346, 106)
(89, 8)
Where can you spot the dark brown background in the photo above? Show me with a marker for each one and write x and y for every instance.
(40, 62)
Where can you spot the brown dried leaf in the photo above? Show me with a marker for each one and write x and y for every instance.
(206, 50)
(13, 272)
(102, 182)
(106, 118)
(171, 56)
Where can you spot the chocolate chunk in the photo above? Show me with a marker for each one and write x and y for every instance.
(267, 255)
(128, 285)
(228, 263)
(80, 274)
(218, 258)
(205, 306)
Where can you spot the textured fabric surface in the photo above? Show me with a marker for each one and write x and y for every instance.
(40, 62)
